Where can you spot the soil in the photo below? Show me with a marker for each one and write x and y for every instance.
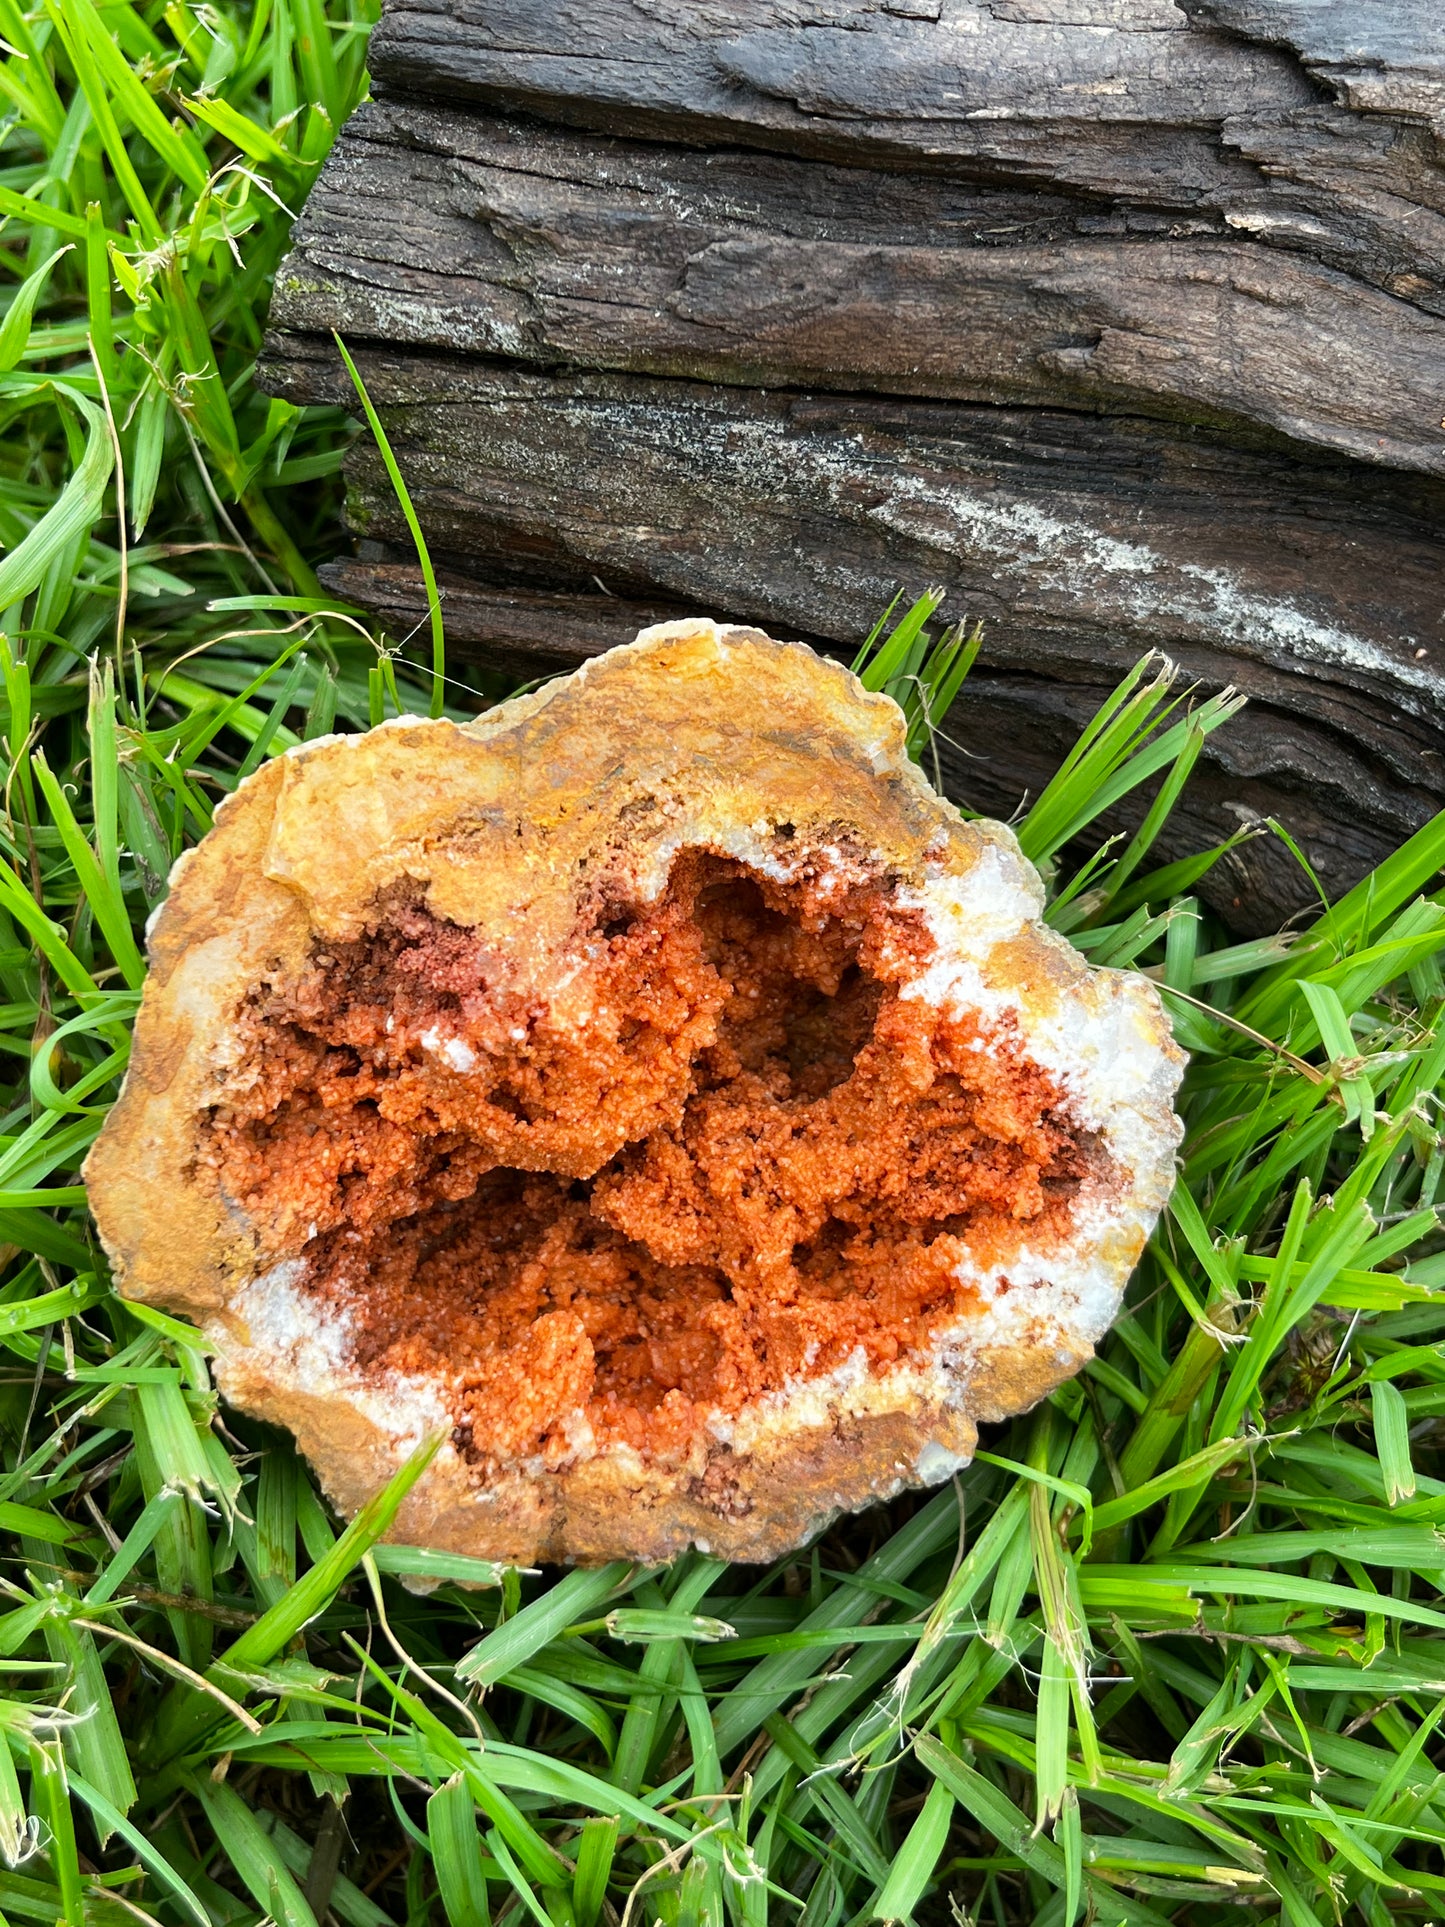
(730, 1156)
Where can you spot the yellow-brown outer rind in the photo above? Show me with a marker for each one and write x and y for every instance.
(691, 735)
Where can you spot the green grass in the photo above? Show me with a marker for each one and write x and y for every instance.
(1174, 1646)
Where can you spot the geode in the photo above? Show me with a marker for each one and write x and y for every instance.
(654, 1087)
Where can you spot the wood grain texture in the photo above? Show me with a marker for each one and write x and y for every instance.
(1124, 320)
(455, 231)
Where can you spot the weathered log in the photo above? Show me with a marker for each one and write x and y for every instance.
(451, 230)
(1124, 321)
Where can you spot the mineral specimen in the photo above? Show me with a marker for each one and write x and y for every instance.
(654, 1087)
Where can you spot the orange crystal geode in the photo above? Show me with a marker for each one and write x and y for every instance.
(652, 1085)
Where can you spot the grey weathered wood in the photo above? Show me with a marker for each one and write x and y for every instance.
(1124, 320)
(447, 230)
(1159, 102)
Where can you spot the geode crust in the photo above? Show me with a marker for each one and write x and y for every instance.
(654, 1086)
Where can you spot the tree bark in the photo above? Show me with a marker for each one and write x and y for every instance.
(1122, 320)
